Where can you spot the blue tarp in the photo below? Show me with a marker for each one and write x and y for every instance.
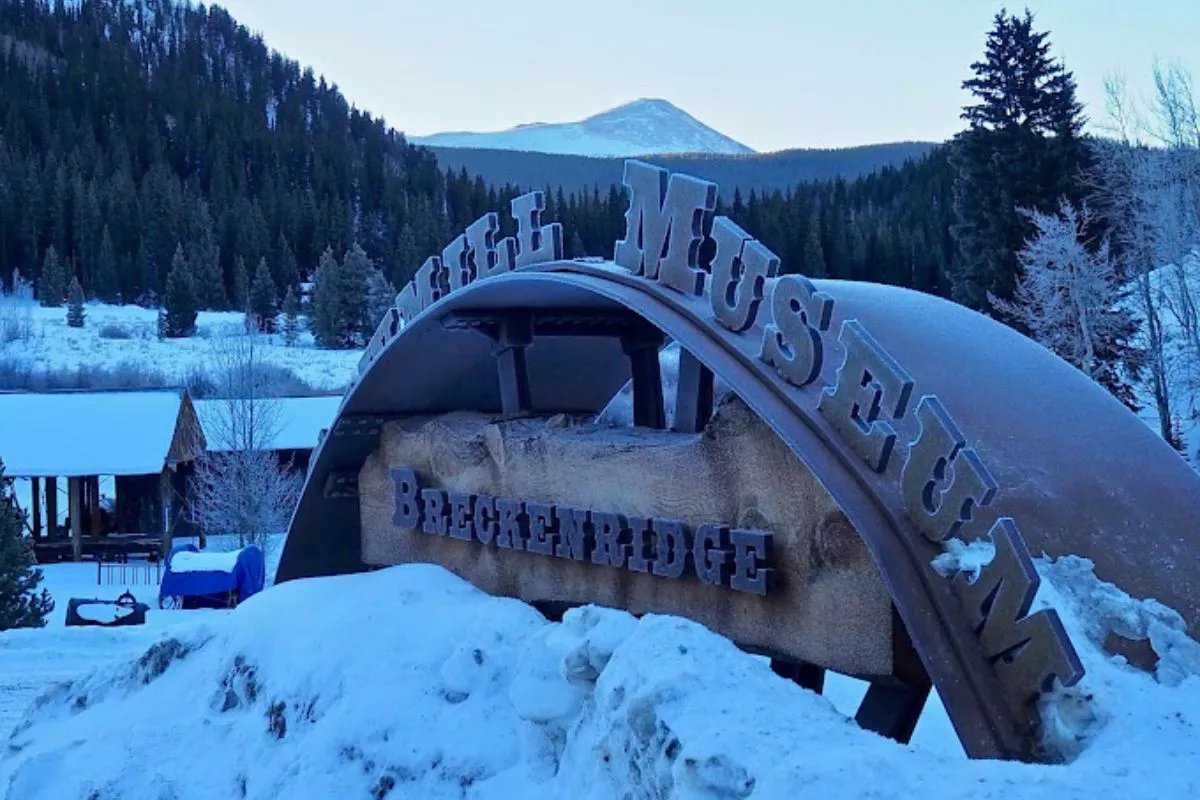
(248, 577)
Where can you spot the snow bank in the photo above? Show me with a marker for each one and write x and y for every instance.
(409, 682)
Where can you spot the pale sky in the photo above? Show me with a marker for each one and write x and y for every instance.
(772, 74)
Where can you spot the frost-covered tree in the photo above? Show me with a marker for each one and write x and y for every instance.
(1069, 297)
(75, 312)
(21, 605)
(239, 487)
(16, 310)
(179, 319)
(1146, 183)
(52, 287)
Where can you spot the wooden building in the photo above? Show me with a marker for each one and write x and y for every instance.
(295, 425)
(145, 441)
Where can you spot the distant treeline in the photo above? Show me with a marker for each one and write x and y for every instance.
(766, 172)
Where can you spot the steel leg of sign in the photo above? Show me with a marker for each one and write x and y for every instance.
(693, 395)
(514, 334)
(642, 348)
(808, 676)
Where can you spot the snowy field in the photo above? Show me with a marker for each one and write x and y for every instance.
(46, 341)
(409, 683)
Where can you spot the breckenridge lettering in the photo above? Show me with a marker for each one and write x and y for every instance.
(739, 560)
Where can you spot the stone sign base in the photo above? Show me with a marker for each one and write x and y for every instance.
(827, 604)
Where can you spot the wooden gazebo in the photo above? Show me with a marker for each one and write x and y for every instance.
(145, 440)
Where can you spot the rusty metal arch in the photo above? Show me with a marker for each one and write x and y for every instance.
(429, 368)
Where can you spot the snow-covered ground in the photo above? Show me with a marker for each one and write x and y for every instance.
(51, 343)
(409, 682)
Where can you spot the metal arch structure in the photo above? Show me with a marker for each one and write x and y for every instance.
(1081, 474)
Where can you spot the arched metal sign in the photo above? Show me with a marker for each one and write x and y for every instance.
(919, 424)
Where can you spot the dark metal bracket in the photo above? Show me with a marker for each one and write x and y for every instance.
(693, 394)
(341, 485)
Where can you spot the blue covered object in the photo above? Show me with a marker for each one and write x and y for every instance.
(203, 579)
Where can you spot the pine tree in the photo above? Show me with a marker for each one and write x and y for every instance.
(108, 284)
(204, 262)
(814, 253)
(381, 295)
(241, 285)
(21, 605)
(326, 313)
(180, 307)
(264, 302)
(75, 313)
(286, 269)
(291, 318)
(355, 287)
(53, 284)
(577, 248)
(1022, 149)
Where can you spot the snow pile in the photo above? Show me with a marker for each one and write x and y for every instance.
(103, 612)
(215, 561)
(434, 689)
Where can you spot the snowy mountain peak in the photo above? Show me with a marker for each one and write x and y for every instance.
(646, 126)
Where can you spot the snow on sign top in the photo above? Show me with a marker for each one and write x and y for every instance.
(299, 421)
(75, 434)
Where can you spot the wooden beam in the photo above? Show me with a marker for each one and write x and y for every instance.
(164, 489)
(75, 509)
(51, 506)
(36, 495)
(94, 504)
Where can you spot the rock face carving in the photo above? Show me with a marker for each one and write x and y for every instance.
(828, 604)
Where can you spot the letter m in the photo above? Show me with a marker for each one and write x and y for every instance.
(663, 223)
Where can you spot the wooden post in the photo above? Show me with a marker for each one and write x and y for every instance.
(51, 506)
(75, 509)
(164, 484)
(36, 497)
(94, 503)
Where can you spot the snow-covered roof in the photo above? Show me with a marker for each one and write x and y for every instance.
(78, 433)
(300, 421)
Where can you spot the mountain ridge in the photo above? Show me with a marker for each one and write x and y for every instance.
(646, 126)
